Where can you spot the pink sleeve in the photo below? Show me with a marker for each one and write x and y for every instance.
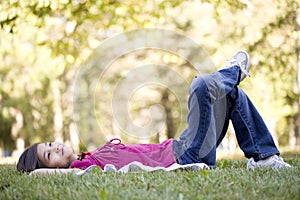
(81, 164)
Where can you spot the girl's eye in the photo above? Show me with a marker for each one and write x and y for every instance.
(50, 144)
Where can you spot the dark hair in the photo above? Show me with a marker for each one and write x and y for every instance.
(29, 160)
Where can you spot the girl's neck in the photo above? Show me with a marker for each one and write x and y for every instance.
(74, 157)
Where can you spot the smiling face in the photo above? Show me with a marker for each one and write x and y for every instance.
(55, 154)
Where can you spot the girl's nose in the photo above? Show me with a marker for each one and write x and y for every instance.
(55, 148)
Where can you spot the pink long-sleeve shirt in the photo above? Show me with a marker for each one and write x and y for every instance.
(118, 154)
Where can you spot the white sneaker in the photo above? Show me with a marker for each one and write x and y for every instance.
(242, 59)
(273, 162)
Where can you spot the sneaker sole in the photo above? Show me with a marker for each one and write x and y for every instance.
(243, 58)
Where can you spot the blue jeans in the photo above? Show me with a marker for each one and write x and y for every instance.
(214, 100)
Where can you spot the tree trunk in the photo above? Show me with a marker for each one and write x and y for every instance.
(90, 116)
(58, 118)
(169, 118)
(292, 134)
(297, 117)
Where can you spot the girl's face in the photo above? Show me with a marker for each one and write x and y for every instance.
(55, 154)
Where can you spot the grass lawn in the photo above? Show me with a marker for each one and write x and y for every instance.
(230, 180)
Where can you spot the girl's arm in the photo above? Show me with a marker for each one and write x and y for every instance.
(49, 171)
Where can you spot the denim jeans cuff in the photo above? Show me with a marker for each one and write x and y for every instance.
(266, 155)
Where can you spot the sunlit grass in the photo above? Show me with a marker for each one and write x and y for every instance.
(230, 180)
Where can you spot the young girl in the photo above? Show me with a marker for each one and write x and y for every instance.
(214, 100)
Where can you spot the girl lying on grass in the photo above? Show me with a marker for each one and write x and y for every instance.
(214, 100)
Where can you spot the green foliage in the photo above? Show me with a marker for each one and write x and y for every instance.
(45, 41)
(229, 181)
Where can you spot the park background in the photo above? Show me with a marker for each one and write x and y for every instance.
(44, 43)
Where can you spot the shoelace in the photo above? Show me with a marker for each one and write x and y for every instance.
(235, 62)
(280, 161)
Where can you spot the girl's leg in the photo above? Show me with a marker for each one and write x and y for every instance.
(208, 115)
(252, 134)
(214, 100)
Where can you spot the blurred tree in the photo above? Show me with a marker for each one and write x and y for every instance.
(269, 30)
(279, 44)
(44, 42)
(7, 140)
